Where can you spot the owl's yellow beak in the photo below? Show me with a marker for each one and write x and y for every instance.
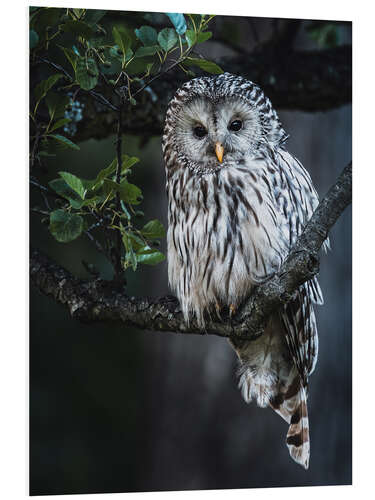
(219, 150)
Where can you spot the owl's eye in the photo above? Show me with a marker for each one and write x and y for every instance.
(236, 125)
(200, 131)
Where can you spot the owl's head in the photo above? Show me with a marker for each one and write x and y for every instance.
(212, 121)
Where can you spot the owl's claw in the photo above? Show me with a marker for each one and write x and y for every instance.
(232, 310)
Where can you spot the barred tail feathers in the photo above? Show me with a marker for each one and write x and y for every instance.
(261, 379)
(260, 387)
(294, 411)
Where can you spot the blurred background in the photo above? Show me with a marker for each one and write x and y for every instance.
(115, 409)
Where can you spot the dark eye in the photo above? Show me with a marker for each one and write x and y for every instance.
(236, 125)
(200, 131)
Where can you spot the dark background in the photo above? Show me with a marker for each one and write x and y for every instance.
(114, 409)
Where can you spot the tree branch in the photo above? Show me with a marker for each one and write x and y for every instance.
(99, 300)
(316, 80)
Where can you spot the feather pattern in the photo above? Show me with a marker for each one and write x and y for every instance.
(231, 224)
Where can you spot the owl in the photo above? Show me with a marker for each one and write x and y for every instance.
(237, 201)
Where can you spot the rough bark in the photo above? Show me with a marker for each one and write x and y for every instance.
(99, 300)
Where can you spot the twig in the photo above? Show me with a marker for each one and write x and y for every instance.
(35, 146)
(96, 95)
(100, 98)
(165, 71)
(39, 212)
(97, 244)
(118, 266)
(303, 80)
(46, 191)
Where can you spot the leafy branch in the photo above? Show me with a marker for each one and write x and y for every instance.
(97, 300)
(125, 61)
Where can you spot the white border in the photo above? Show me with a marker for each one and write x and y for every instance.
(14, 349)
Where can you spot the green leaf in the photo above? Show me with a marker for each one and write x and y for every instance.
(115, 56)
(65, 226)
(97, 182)
(130, 255)
(128, 162)
(94, 16)
(115, 53)
(44, 86)
(56, 104)
(74, 182)
(62, 189)
(208, 66)
(93, 201)
(64, 141)
(178, 22)
(48, 16)
(167, 39)
(194, 21)
(60, 123)
(147, 51)
(147, 35)
(149, 256)
(202, 37)
(139, 65)
(110, 186)
(123, 39)
(70, 55)
(137, 242)
(33, 39)
(78, 28)
(191, 37)
(87, 74)
(78, 12)
(111, 56)
(130, 193)
(153, 230)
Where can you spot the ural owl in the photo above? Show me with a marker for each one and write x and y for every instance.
(237, 202)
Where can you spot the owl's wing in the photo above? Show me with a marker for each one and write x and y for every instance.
(298, 315)
(302, 336)
(302, 196)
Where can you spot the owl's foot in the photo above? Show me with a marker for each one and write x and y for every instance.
(232, 310)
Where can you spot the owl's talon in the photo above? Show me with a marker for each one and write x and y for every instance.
(232, 310)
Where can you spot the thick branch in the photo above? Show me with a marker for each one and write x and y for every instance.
(316, 80)
(98, 300)
(302, 263)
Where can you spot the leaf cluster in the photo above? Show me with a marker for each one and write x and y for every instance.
(91, 200)
(93, 47)
(90, 51)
